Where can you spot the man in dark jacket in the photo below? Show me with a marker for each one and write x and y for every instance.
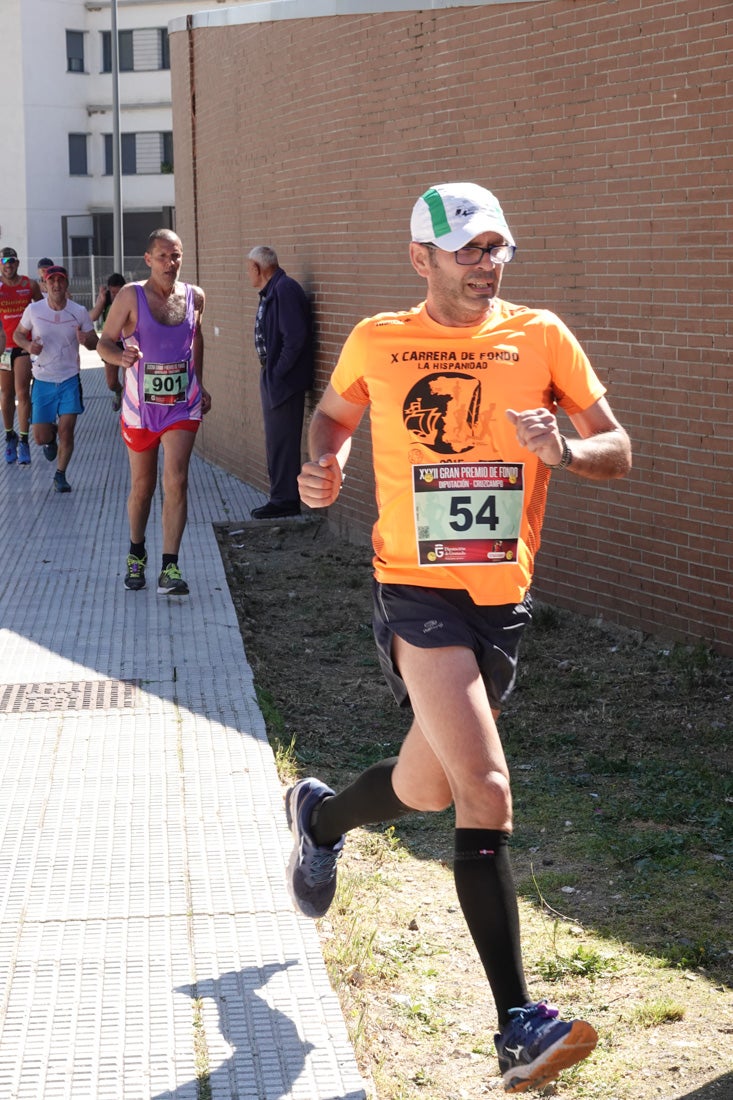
(284, 345)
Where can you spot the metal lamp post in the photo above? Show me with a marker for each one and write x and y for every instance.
(116, 147)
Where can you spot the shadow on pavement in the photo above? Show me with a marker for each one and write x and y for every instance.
(248, 1023)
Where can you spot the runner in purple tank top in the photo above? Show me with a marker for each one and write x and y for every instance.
(163, 398)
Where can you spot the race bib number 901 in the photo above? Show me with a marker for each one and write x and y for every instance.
(468, 514)
(165, 383)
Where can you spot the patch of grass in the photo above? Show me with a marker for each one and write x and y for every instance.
(420, 1015)
(692, 666)
(201, 1052)
(654, 1013)
(286, 758)
(352, 958)
(273, 718)
(629, 792)
(583, 962)
(283, 743)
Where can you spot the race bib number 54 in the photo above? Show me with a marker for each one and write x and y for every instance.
(165, 383)
(468, 514)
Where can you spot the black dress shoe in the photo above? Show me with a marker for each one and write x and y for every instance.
(276, 511)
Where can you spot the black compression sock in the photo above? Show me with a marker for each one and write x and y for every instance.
(368, 800)
(169, 559)
(486, 893)
(137, 549)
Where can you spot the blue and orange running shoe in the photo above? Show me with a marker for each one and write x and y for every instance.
(536, 1045)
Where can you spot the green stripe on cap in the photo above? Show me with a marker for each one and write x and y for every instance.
(438, 216)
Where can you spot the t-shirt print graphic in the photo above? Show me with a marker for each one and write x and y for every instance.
(443, 412)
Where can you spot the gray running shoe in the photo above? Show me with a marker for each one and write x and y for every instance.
(171, 583)
(312, 869)
(135, 575)
(60, 484)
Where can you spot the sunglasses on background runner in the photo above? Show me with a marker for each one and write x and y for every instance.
(9, 260)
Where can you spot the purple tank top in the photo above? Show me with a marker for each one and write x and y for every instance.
(162, 389)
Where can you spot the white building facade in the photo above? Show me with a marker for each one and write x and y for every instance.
(56, 131)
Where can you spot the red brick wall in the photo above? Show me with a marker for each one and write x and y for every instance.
(605, 129)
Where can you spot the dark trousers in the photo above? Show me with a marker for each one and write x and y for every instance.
(283, 431)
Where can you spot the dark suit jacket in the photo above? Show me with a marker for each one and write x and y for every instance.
(288, 330)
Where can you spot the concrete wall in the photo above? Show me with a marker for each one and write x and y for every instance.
(605, 129)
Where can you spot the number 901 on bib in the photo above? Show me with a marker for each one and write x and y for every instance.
(165, 383)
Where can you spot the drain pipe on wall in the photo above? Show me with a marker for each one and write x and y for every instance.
(194, 165)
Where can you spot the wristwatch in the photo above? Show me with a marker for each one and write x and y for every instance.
(566, 459)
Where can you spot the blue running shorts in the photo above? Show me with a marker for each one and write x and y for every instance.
(50, 400)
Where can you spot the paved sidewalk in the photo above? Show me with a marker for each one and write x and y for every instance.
(146, 933)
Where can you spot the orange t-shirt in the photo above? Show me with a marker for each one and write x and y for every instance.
(460, 502)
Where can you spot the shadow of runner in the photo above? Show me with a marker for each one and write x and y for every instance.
(719, 1089)
(268, 1054)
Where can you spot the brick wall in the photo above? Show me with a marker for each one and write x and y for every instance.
(605, 129)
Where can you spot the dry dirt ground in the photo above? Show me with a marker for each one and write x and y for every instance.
(620, 753)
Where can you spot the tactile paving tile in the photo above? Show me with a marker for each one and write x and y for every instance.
(148, 947)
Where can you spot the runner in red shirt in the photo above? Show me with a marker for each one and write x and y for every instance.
(16, 292)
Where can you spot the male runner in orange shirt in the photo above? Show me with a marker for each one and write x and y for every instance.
(463, 393)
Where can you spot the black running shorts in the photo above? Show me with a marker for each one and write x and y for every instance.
(433, 618)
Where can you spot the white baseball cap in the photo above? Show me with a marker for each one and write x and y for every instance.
(450, 215)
